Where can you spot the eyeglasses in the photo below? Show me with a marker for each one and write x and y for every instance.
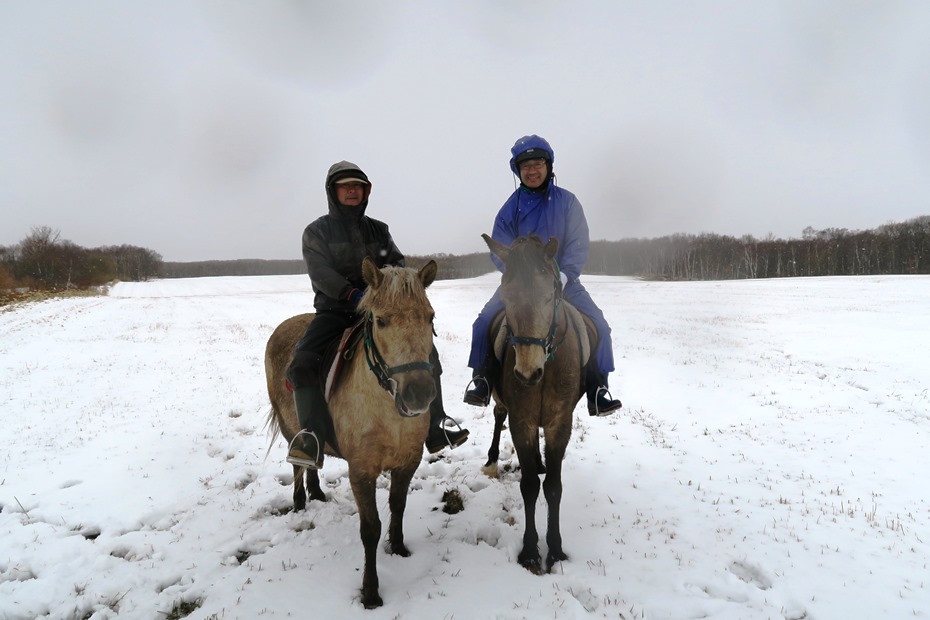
(532, 164)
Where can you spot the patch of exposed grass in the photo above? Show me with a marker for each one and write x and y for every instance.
(12, 298)
(453, 502)
(182, 609)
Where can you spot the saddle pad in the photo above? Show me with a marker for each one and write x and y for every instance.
(580, 324)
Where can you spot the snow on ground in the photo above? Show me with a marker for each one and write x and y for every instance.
(770, 462)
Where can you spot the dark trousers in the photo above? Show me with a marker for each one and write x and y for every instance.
(326, 328)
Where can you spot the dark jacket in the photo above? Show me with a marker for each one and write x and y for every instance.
(335, 244)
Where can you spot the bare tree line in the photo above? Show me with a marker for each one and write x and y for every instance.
(42, 261)
(895, 248)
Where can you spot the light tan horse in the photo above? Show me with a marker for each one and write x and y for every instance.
(378, 406)
(546, 344)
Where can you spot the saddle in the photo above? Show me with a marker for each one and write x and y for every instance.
(337, 355)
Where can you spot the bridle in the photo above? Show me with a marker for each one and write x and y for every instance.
(383, 372)
(548, 343)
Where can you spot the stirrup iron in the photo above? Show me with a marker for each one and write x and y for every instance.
(309, 463)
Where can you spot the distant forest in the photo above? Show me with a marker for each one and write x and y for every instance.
(889, 249)
(42, 261)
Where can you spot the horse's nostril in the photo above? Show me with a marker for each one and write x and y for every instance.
(533, 379)
(417, 395)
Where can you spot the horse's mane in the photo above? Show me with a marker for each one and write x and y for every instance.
(401, 284)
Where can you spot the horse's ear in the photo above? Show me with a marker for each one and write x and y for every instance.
(427, 273)
(497, 248)
(552, 247)
(371, 273)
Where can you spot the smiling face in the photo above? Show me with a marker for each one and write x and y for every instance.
(533, 172)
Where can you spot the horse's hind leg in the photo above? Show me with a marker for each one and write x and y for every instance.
(500, 416)
(313, 486)
(300, 496)
(400, 485)
(363, 487)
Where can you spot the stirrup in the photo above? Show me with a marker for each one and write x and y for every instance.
(612, 405)
(471, 398)
(297, 456)
(452, 441)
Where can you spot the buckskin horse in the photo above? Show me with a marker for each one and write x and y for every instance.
(377, 406)
(544, 344)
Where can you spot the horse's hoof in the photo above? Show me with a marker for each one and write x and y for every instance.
(372, 601)
(534, 567)
(491, 470)
(532, 563)
(400, 550)
(552, 558)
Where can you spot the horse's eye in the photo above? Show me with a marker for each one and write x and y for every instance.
(380, 321)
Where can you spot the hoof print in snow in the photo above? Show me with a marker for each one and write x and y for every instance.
(752, 575)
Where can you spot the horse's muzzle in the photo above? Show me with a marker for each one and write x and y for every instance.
(414, 398)
(534, 378)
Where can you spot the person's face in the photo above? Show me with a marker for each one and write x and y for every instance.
(350, 194)
(533, 172)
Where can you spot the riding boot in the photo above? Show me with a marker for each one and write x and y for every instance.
(440, 435)
(480, 394)
(600, 402)
(306, 449)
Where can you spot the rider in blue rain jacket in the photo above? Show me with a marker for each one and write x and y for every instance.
(542, 208)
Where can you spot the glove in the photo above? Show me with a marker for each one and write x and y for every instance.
(354, 296)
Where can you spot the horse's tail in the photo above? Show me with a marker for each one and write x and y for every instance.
(272, 428)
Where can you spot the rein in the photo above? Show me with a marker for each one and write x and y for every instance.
(383, 372)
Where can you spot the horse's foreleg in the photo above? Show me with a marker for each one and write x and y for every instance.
(363, 487)
(529, 487)
(400, 485)
(500, 416)
(552, 489)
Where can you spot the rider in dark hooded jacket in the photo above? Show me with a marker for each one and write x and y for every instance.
(334, 246)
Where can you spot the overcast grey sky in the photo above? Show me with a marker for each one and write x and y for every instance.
(203, 130)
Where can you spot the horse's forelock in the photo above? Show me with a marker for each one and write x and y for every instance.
(400, 285)
(525, 258)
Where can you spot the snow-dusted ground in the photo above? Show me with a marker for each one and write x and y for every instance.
(770, 461)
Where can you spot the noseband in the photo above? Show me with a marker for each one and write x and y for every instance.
(383, 372)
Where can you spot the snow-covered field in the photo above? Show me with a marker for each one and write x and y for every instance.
(771, 461)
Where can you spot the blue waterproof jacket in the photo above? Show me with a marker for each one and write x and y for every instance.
(550, 211)
(554, 212)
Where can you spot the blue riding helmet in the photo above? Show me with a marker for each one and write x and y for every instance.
(530, 147)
